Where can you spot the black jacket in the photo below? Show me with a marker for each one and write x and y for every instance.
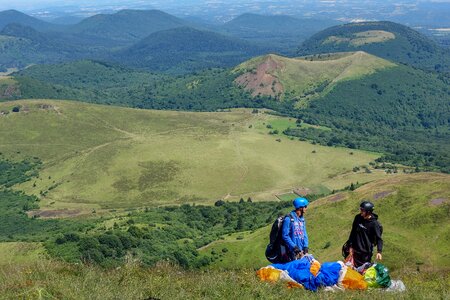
(365, 234)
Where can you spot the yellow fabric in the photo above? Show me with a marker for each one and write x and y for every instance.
(269, 274)
(353, 280)
(315, 267)
(371, 277)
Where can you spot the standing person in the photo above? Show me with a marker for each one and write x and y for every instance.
(366, 232)
(294, 230)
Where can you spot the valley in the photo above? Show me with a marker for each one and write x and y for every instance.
(104, 157)
(146, 155)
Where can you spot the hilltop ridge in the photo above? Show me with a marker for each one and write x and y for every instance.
(388, 40)
(304, 77)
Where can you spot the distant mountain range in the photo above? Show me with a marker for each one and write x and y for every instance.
(131, 36)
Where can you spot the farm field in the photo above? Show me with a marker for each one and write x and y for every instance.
(108, 157)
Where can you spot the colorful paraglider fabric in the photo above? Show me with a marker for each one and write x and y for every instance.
(371, 277)
(328, 274)
(362, 269)
(315, 267)
(308, 273)
(270, 274)
(353, 280)
(299, 270)
(383, 278)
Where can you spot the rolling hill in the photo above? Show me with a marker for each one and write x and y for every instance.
(304, 78)
(134, 158)
(388, 40)
(17, 17)
(23, 46)
(127, 26)
(30, 41)
(185, 49)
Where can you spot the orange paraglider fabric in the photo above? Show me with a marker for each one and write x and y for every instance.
(354, 281)
(315, 267)
(269, 274)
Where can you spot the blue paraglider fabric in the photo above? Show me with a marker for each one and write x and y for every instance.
(328, 274)
(299, 270)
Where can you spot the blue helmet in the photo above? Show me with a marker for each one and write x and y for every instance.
(300, 203)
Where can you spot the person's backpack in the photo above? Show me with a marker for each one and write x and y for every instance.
(276, 250)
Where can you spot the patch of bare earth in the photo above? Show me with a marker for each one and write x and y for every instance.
(336, 198)
(382, 194)
(438, 201)
(329, 199)
(302, 191)
(57, 213)
(262, 81)
(10, 91)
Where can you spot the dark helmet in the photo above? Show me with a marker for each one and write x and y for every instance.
(367, 206)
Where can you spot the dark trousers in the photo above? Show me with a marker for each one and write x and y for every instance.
(360, 258)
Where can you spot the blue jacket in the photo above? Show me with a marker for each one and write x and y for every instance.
(295, 234)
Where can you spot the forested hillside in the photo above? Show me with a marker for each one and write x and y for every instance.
(17, 17)
(127, 25)
(388, 40)
(185, 49)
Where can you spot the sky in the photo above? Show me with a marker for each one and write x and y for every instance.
(27, 5)
(224, 10)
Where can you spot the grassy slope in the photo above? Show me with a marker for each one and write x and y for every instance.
(302, 76)
(20, 253)
(49, 280)
(116, 157)
(416, 251)
(416, 233)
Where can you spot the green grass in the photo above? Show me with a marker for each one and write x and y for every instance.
(416, 251)
(416, 232)
(287, 196)
(50, 280)
(362, 38)
(98, 156)
(20, 253)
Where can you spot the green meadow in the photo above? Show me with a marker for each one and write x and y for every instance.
(97, 157)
